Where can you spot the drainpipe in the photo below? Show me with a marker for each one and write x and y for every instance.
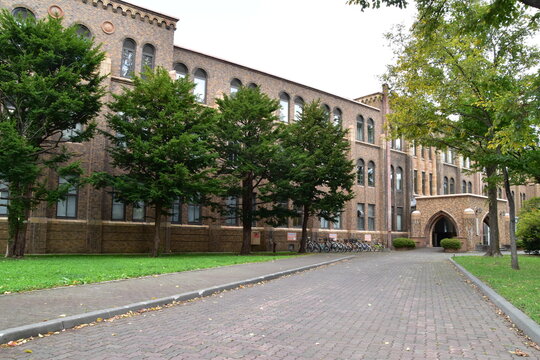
(385, 110)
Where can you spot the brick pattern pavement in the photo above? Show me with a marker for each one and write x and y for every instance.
(410, 305)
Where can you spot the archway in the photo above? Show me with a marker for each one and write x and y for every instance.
(442, 229)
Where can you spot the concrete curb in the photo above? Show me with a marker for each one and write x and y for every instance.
(522, 321)
(68, 322)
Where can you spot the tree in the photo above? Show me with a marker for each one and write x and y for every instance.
(498, 11)
(49, 84)
(318, 174)
(248, 139)
(161, 139)
(453, 88)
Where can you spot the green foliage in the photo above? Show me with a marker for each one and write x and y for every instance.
(528, 230)
(314, 169)
(520, 244)
(469, 86)
(530, 205)
(161, 141)
(49, 82)
(247, 140)
(452, 244)
(400, 243)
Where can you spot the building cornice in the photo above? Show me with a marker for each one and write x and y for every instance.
(134, 11)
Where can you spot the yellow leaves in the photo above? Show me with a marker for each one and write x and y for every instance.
(28, 351)
(518, 352)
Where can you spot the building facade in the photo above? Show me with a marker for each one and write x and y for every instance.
(401, 190)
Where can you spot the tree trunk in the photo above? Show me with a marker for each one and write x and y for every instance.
(303, 239)
(512, 210)
(247, 214)
(19, 212)
(157, 229)
(494, 248)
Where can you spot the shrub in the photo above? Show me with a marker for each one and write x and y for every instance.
(519, 244)
(452, 244)
(528, 230)
(400, 243)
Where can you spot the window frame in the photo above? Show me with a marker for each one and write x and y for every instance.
(4, 199)
(371, 131)
(130, 72)
(371, 216)
(200, 79)
(183, 67)
(151, 55)
(360, 172)
(284, 114)
(360, 124)
(371, 174)
(72, 197)
(140, 207)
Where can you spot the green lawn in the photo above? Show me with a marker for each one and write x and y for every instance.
(521, 288)
(46, 271)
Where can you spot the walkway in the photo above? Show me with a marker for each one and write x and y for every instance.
(401, 305)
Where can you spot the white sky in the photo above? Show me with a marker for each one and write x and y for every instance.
(325, 44)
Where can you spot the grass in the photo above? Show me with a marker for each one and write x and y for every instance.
(47, 271)
(520, 287)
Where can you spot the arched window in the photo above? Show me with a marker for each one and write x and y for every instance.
(235, 86)
(445, 186)
(338, 116)
(23, 13)
(127, 66)
(452, 186)
(253, 86)
(148, 57)
(181, 70)
(463, 186)
(360, 128)
(284, 100)
(371, 131)
(469, 187)
(391, 177)
(399, 179)
(499, 193)
(200, 79)
(298, 107)
(83, 31)
(371, 174)
(326, 110)
(360, 172)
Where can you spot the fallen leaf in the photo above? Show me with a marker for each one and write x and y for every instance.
(99, 320)
(12, 343)
(28, 351)
(519, 353)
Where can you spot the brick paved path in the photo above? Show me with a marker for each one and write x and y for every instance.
(410, 305)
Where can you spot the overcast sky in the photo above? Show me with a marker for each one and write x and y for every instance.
(321, 43)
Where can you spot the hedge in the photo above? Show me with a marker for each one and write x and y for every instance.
(452, 244)
(400, 243)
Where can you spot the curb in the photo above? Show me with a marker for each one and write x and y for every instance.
(68, 322)
(522, 321)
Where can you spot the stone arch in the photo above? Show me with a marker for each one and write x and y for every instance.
(434, 221)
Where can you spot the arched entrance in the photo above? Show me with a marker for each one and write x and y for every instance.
(442, 229)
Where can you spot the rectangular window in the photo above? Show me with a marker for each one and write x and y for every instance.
(422, 152)
(176, 212)
(139, 211)
(423, 183)
(231, 203)
(429, 153)
(430, 184)
(297, 220)
(68, 134)
(360, 216)
(393, 219)
(118, 209)
(414, 148)
(194, 213)
(337, 223)
(371, 216)
(399, 219)
(324, 223)
(4, 199)
(415, 181)
(67, 208)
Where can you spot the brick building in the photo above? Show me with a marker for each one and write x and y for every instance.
(394, 177)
